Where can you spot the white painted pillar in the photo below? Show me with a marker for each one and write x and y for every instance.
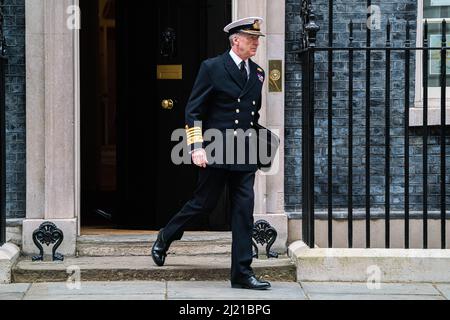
(52, 181)
(269, 189)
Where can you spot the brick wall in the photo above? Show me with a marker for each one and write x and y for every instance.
(398, 12)
(14, 15)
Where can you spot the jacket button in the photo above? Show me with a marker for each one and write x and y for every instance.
(239, 100)
(235, 133)
(250, 135)
(237, 110)
(254, 103)
(253, 113)
(251, 123)
(237, 121)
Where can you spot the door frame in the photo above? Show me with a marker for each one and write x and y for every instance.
(53, 119)
(239, 8)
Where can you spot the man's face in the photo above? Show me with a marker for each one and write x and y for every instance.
(247, 45)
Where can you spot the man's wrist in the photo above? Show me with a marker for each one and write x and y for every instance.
(191, 152)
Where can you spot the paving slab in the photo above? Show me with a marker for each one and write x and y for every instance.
(318, 296)
(221, 290)
(97, 297)
(444, 289)
(362, 288)
(98, 289)
(14, 288)
(11, 296)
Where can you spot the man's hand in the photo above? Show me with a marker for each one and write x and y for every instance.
(199, 158)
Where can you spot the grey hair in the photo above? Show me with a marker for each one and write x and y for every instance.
(232, 37)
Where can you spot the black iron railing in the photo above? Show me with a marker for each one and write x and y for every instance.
(307, 54)
(310, 29)
(3, 62)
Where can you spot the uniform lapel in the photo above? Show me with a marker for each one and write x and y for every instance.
(233, 70)
(253, 78)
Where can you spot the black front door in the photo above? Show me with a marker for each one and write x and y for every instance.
(160, 46)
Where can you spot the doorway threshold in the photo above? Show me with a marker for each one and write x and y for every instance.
(108, 230)
(112, 242)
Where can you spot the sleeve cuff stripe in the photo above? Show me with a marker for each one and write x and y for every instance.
(195, 128)
(194, 135)
(194, 140)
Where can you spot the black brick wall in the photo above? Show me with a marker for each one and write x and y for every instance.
(14, 15)
(398, 12)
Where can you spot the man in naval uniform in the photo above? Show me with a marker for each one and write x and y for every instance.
(226, 97)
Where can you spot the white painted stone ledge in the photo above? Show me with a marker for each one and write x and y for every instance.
(67, 226)
(9, 253)
(363, 265)
(280, 223)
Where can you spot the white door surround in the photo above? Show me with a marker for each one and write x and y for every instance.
(53, 118)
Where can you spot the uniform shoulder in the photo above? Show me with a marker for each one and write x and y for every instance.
(211, 62)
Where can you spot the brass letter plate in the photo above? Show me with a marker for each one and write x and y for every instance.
(275, 76)
(170, 72)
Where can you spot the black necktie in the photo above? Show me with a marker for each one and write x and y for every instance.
(244, 72)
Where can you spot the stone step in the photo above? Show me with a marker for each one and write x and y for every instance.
(193, 243)
(374, 265)
(127, 268)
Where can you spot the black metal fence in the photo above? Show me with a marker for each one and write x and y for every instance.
(308, 53)
(3, 62)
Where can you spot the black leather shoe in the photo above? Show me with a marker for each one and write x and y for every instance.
(250, 283)
(159, 250)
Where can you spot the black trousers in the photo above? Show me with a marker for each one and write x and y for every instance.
(209, 188)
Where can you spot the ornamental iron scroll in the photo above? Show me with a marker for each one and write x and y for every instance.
(48, 234)
(309, 26)
(264, 233)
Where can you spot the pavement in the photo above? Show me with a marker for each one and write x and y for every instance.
(221, 290)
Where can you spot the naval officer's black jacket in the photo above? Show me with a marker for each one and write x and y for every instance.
(221, 100)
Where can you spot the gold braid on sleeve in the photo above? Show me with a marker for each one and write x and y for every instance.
(194, 135)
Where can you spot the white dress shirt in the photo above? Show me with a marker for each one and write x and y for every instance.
(238, 61)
